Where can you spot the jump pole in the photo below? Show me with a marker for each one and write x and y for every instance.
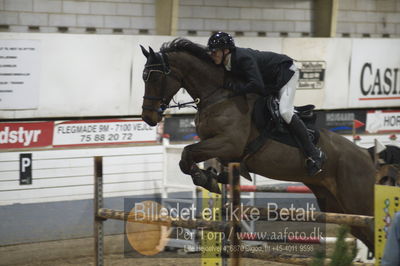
(98, 204)
(318, 217)
(214, 226)
(234, 182)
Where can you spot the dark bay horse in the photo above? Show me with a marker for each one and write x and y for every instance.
(225, 127)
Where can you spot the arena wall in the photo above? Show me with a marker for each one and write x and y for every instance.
(100, 75)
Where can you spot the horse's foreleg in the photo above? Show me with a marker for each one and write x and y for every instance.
(202, 151)
(218, 147)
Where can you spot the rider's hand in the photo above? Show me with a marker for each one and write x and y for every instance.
(237, 88)
(228, 84)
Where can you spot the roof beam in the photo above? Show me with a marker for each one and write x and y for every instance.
(167, 12)
(325, 17)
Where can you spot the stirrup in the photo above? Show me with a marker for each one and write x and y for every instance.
(311, 160)
(313, 167)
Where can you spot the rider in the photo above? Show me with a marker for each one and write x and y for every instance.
(266, 73)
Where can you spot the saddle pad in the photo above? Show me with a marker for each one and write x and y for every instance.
(277, 128)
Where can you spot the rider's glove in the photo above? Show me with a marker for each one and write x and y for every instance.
(237, 88)
(228, 84)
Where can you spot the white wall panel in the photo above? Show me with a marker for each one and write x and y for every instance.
(336, 73)
(173, 174)
(80, 75)
(338, 57)
(42, 183)
(69, 174)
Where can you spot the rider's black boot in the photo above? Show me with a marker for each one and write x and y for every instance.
(315, 157)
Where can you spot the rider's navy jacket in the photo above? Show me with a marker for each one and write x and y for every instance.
(264, 72)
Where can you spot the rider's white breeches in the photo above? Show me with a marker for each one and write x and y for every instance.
(286, 96)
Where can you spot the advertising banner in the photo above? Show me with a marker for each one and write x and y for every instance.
(101, 132)
(384, 121)
(312, 74)
(19, 74)
(374, 73)
(26, 135)
(342, 121)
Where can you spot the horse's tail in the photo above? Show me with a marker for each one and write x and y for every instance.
(391, 155)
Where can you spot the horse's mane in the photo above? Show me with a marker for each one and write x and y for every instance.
(185, 45)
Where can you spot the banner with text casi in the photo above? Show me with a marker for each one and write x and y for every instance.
(374, 75)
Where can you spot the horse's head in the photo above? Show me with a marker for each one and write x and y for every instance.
(160, 86)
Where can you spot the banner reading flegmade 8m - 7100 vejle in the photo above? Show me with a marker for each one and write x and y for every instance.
(97, 132)
(26, 135)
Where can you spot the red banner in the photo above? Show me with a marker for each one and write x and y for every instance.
(26, 135)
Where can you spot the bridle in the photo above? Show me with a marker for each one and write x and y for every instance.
(165, 70)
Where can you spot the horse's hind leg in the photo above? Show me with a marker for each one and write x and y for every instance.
(355, 185)
(366, 235)
(328, 203)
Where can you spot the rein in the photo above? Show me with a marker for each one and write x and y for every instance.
(184, 105)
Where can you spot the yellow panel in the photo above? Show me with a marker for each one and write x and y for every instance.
(211, 242)
(387, 202)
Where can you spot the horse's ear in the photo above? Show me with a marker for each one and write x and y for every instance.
(152, 54)
(144, 51)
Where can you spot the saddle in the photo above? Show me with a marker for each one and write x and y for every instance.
(270, 124)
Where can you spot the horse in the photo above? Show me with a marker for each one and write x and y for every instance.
(224, 125)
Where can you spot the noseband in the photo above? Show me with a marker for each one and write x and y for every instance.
(165, 70)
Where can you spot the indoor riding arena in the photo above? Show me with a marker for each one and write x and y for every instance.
(199, 132)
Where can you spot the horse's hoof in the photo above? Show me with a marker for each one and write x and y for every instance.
(245, 172)
(212, 186)
(223, 178)
(205, 179)
(184, 167)
(211, 171)
(199, 178)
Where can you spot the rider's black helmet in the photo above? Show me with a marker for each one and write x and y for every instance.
(220, 40)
